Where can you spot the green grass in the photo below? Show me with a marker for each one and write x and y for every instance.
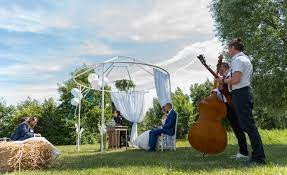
(184, 161)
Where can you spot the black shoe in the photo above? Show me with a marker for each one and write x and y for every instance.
(253, 162)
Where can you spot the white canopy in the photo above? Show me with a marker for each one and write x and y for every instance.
(132, 104)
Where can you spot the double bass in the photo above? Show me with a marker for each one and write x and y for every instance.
(207, 135)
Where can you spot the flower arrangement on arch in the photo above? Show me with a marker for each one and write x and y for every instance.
(124, 85)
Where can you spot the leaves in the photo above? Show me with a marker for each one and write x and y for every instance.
(182, 106)
(124, 85)
(200, 91)
(262, 26)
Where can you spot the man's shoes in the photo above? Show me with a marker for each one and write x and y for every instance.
(253, 162)
(239, 156)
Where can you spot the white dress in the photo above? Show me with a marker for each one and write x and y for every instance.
(142, 141)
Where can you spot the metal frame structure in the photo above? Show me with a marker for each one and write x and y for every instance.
(105, 72)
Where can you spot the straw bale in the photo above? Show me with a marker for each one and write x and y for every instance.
(30, 155)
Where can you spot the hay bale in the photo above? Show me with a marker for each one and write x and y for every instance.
(30, 155)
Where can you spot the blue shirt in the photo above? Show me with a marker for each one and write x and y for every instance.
(22, 132)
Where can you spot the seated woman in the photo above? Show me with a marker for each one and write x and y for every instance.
(25, 130)
(118, 118)
(142, 141)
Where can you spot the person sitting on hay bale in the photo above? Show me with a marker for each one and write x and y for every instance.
(27, 151)
(25, 130)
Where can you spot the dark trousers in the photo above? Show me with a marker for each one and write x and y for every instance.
(234, 123)
(243, 103)
(153, 135)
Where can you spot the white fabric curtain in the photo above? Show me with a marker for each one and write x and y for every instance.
(133, 107)
(162, 86)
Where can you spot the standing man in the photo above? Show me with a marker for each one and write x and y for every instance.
(231, 115)
(240, 86)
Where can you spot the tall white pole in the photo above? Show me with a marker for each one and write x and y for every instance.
(79, 124)
(103, 111)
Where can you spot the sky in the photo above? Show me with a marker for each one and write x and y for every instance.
(43, 41)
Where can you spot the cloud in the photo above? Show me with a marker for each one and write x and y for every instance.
(38, 71)
(211, 49)
(30, 69)
(141, 21)
(169, 20)
(186, 69)
(93, 48)
(15, 94)
(16, 18)
(148, 21)
(156, 21)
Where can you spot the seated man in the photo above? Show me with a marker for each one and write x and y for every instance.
(168, 127)
(25, 130)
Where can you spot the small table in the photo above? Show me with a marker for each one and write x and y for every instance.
(114, 134)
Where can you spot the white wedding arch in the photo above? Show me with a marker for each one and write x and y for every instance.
(131, 103)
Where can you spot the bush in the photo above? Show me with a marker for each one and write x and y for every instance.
(268, 120)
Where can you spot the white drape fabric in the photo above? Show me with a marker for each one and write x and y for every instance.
(162, 86)
(133, 107)
(142, 141)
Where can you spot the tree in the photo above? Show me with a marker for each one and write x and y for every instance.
(28, 108)
(153, 117)
(182, 106)
(6, 118)
(11, 116)
(54, 125)
(262, 24)
(90, 107)
(199, 91)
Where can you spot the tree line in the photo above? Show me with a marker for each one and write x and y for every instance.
(57, 121)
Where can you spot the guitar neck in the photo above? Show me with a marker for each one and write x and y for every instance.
(211, 71)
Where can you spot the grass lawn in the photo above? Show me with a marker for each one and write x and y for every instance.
(184, 161)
